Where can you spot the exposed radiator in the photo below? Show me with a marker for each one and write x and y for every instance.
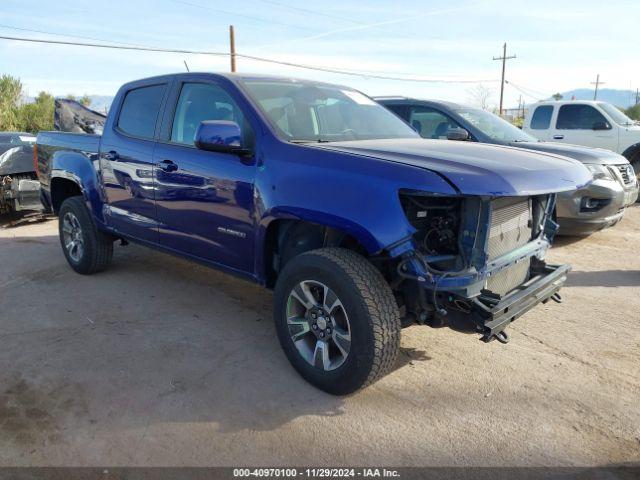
(509, 278)
(511, 227)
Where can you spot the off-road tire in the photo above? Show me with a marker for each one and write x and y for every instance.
(370, 305)
(98, 246)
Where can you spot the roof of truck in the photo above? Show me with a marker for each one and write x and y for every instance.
(235, 77)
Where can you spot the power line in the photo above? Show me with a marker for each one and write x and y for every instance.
(66, 35)
(355, 73)
(116, 47)
(526, 91)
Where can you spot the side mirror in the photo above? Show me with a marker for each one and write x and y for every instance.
(601, 126)
(457, 133)
(220, 136)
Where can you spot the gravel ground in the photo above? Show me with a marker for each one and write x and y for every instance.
(161, 362)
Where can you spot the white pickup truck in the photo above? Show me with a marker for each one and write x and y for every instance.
(588, 123)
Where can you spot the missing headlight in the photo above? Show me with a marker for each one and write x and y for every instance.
(437, 221)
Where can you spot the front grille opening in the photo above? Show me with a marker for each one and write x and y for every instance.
(511, 225)
(511, 228)
(626, 173)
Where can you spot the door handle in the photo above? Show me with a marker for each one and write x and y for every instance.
(558, 137)
(112, 156)
(167, 166)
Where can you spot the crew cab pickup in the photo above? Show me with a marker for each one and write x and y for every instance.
(588, 123)
(359, 225)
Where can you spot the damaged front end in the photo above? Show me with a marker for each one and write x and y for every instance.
(475, 262)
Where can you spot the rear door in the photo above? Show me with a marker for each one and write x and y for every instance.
(126, 162)
(540, 123)
(204, 199)
(582, 124)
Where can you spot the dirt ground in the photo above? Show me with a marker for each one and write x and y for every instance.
(161, 362)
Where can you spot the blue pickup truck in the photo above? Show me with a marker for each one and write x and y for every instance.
(314, 190)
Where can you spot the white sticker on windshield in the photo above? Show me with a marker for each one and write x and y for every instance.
(358, 97)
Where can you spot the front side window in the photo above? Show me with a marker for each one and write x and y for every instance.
(541, 119)
(430, 123)
(494, 127)
(139, 111)
(303, 111)
(580, 117)
(199, 102)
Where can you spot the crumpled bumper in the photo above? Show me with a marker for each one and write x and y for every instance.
(22, 195)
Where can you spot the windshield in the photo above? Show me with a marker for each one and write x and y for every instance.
(493, 126)
(615, 114)
(314, 112)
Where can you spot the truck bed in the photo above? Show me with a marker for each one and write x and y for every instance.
(68, 141)
(63, 143)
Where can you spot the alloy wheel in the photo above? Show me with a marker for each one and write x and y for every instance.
(318, 325)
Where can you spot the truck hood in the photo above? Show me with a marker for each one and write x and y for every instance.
(582, 154)
(476, 169)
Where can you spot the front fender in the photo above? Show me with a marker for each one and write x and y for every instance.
(631, 151)
(360, 233)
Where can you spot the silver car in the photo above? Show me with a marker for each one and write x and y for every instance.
(598, 205)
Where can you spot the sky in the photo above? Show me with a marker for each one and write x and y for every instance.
(559, 45)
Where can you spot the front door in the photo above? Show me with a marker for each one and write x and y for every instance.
(205, 199)
(582, 124)
(126, 164)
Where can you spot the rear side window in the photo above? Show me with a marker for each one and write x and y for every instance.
(431, 123)
(140, 110)
(541, 117)
(579, 117)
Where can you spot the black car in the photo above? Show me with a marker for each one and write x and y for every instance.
(596, 206)
(19, 189)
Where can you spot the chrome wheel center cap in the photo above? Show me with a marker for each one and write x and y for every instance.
(322, 323)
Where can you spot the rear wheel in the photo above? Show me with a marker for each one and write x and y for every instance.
(87, 249)
(336, 319)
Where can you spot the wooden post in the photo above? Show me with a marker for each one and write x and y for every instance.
(232, 44)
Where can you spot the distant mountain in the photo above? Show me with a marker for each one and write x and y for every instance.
(619, 98)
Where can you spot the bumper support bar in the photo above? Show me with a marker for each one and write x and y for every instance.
(493, 318)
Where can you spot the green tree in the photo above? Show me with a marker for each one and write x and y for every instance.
(10, 92)
(38, 115)
(85, 100)
(633, 112)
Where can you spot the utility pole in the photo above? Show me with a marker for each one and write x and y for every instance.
(504, 59)
(232, 45)
(597, 83)
(637, 96)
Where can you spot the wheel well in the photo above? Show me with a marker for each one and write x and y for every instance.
(61, 189)
(285, 239)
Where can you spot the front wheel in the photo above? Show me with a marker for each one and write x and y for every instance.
(336, 319)
(87, 249)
